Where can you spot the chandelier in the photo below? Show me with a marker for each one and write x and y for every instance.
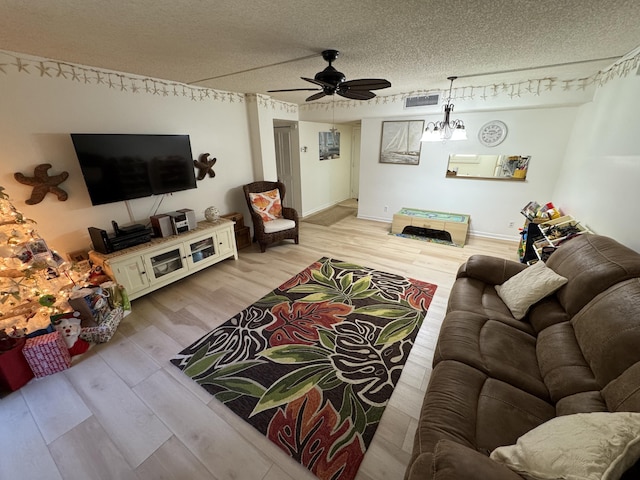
(446, 129)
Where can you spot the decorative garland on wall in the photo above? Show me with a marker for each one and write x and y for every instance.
(514, 90)
(124, 82)
(268, 102)
(137, 84)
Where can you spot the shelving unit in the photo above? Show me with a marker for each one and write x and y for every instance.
(145, 268)
(554, 233)
(539, 240)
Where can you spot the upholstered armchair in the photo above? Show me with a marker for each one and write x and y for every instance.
(271, 221)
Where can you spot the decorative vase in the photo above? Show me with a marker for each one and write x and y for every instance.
(212, 214)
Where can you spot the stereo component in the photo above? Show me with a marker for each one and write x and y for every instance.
(162, 225)
(191, 217)
(108, 243)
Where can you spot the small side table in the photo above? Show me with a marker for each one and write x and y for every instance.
(242, 233)
(14, 368)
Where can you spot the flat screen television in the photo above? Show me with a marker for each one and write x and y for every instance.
(119, 167)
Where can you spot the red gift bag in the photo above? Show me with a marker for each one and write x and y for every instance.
(14, 369)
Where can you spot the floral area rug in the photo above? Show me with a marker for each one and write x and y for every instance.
(312, 364)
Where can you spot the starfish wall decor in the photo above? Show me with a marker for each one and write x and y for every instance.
(205, 166)
(42, 183)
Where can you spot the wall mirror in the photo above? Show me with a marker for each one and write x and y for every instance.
(498, 167)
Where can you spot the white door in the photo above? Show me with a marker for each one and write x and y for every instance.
(284, 162)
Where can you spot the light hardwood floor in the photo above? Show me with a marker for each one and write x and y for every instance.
(122, 411)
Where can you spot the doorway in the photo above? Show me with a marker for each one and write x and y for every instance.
(287, 163)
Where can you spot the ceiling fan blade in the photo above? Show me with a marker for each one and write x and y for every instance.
(366, 84)
(356, 94)
(294, 90)
(316, 96)
(318, 82)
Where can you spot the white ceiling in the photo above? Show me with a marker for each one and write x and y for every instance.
(252, 46)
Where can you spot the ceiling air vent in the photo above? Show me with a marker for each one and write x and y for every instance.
(421, 101)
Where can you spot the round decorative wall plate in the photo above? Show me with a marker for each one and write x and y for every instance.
(492, 133)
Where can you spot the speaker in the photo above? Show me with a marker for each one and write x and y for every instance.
(162, 225)
(100, 240)
(191, 217)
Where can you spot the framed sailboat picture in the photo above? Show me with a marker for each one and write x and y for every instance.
(329, 144)
(401, 142)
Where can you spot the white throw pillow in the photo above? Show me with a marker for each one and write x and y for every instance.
(583, 446)
(528, 287)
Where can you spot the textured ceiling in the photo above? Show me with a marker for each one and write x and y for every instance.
(252, 46)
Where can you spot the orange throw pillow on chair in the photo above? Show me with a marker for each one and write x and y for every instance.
(267, 204)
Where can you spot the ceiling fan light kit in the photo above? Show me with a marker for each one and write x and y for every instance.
(332, 82)
(447, 129)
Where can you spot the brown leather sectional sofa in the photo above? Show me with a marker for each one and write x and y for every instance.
(496, 378)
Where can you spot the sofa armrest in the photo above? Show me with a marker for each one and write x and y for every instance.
(490, 270)
(452, 461)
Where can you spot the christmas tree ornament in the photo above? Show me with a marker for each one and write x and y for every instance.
(47, 300)
(35, 281)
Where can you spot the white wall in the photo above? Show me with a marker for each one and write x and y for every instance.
(38, 113)
(599, 183)
(262, 112)
(598, 168)
(324, 182)
(492, 204)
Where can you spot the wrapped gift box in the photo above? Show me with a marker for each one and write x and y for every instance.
(103, 332)
(47, 354)
(92, 303)
(14, 369)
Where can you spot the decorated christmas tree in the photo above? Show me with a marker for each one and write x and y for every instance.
(35, 281)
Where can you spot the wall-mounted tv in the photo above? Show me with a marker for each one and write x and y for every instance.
(119, 167)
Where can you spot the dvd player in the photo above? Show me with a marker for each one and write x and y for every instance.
(124, 237)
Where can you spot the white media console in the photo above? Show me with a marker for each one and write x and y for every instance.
(144, 268)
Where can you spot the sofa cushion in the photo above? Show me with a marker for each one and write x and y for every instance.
(562, 365)
(475, 296)
(592, 263)
(588, 446)
(278, 225)
(584, 402)
(623, 393)
(608, 331)
(491, 346)
(528, 287)
(489, 270)
(468, 407)
(452, 461)
(546, 312)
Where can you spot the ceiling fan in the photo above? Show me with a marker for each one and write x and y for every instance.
(332, 81)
